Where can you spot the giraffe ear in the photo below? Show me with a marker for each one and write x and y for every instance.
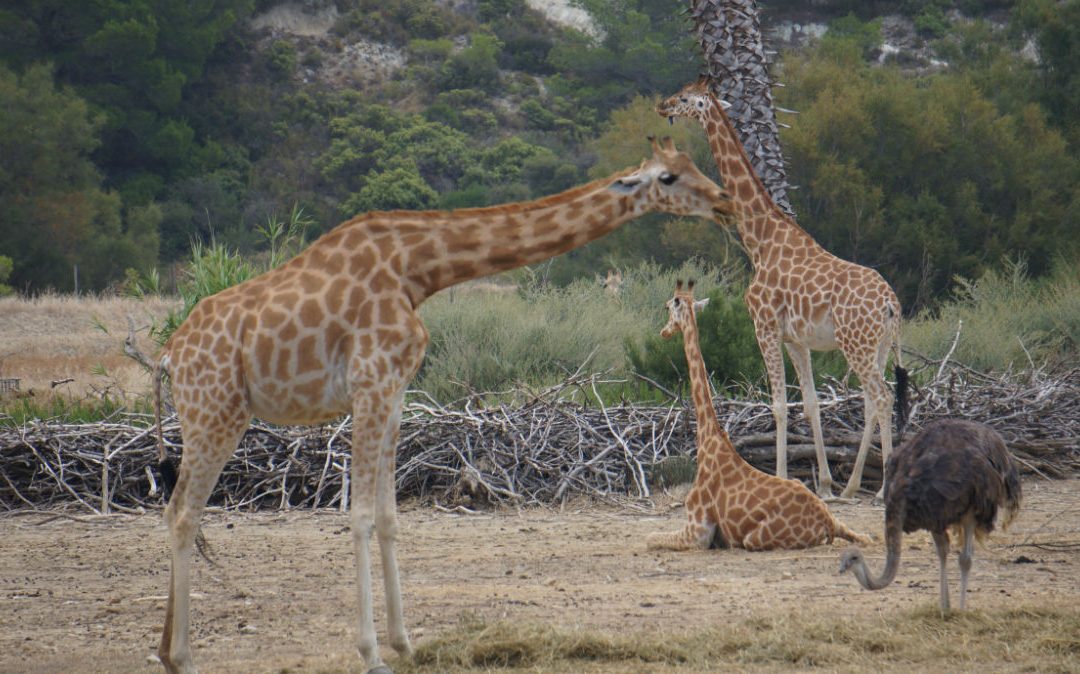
(724, 104)
(700, 304)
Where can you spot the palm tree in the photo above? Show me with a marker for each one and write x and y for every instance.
(730, 35)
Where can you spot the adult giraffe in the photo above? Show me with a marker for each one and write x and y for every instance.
(337, 330)
(804, 297)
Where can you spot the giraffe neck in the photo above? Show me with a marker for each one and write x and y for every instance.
(464, 244)
(708, 426)
(761, 222)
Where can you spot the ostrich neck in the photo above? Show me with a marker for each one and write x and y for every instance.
(893, 532)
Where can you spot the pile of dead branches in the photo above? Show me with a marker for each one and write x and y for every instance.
(542, 448)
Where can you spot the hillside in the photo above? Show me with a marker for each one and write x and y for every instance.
(245, 109)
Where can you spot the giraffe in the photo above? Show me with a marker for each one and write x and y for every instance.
(805, 298)
(731, 502)
(612, 283)
(337, 329)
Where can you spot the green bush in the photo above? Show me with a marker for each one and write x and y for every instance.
(728, 346)
(1006, 320)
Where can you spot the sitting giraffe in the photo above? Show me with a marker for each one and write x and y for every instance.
(731, 502)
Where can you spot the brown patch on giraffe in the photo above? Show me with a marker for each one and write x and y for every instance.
(311, 313)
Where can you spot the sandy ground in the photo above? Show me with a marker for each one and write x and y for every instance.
(88, 595)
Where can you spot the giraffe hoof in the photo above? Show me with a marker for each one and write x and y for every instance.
(381, 669)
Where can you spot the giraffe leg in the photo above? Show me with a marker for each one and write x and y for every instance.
(386, 527)
(696, 535)
(205, 455)
(967, 554)
(941, 542)
(370, 413)
(769, 343)
(800, 358)
(877, 412)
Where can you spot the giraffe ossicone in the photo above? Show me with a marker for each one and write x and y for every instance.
(804, 298)
(731, 503)
(336, 330)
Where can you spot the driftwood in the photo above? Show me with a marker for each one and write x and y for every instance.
(541, 449)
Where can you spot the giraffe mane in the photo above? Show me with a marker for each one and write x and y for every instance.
(497, 209)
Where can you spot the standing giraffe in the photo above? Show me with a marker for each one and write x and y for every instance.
(337, 330)
(731, 501)
(804, 297)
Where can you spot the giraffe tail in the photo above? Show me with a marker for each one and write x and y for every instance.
(166, 466)
(903, 403)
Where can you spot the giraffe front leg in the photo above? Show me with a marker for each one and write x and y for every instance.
(800, 358)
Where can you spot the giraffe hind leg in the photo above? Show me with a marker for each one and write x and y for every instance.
(182, 516)
(800, 358)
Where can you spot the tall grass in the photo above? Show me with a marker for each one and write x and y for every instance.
(1006, 320)
(537, 335)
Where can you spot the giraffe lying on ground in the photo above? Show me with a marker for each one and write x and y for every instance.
(732, 503)
(337, 330)
(804, 297)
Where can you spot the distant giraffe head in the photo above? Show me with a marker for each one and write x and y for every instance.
(682, 309)
(612, 283)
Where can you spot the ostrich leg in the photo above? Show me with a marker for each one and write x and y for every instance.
(941, 542)
(967, 553)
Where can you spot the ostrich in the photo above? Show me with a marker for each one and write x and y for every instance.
(954, 473)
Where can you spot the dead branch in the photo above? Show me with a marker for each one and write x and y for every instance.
(541, 447)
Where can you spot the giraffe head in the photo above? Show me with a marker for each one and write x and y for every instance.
(681, 309)
(613, 282)
(670, 182)
(695, 101)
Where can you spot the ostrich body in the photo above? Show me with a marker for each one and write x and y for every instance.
(952, 474)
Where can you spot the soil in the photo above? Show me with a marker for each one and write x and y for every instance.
(87, 594)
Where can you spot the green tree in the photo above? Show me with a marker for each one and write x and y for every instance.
(6, 266)
(56, 215)
(924, 178)
(397, 188)
(1056, 28)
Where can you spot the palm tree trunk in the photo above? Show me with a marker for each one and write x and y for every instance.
(730, 35)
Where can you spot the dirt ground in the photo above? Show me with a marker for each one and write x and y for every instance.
(88, 595)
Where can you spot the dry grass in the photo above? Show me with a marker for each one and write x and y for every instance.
(1025, 638)
(55, 337)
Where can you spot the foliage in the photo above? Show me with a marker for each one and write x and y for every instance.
(1056, 29)
(214, 267)
(923, 179)
(6, 265)
(728, 346)
(485, 340)
(1006, 320)
(56, 215)
(644, 47)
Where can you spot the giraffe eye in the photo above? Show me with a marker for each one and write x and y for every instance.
(668, 178)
